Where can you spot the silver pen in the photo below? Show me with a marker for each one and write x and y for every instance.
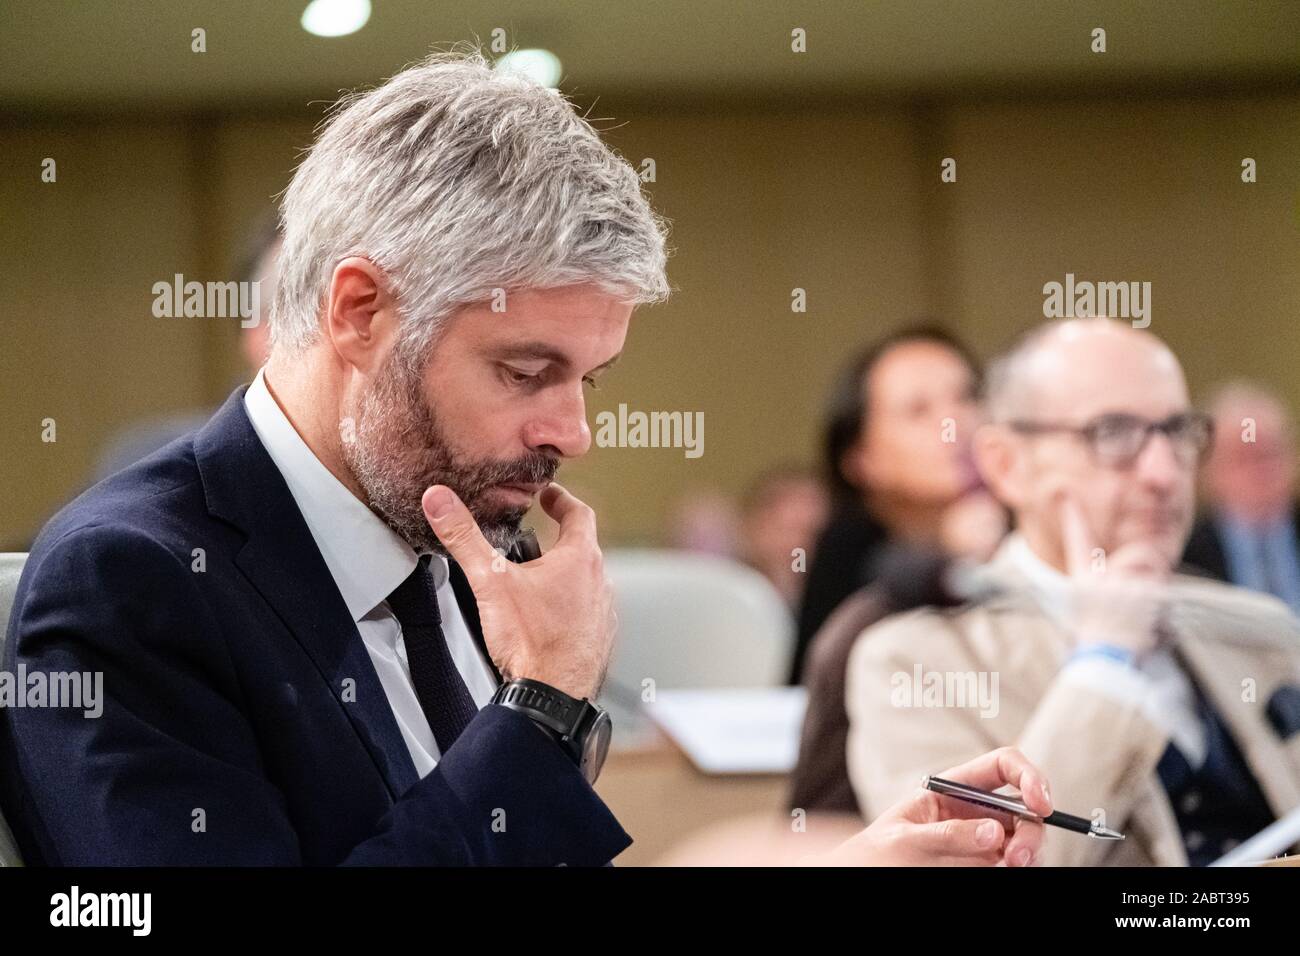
(997, 801)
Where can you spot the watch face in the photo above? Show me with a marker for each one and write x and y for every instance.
(596, 747)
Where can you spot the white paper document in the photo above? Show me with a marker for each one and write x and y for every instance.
(733, 730)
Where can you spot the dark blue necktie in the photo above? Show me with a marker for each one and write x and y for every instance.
(442, 693)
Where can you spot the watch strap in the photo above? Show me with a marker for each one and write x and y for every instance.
(552, 708)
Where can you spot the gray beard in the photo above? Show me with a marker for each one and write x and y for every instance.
(398, 450)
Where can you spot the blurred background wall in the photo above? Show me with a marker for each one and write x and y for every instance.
(779, 170)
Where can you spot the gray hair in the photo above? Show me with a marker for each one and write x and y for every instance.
(1226, 397)
(458, 181)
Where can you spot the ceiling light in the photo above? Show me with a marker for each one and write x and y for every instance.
(335, 18)
(540, 66)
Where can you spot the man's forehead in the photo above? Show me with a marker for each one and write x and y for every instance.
(1080, 402)
(1079, 380)
(560, 327)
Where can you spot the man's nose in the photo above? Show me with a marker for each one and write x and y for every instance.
(562, 428)
(1159, 464)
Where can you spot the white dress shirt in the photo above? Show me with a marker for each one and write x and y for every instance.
(368, 560)
(1159, 685)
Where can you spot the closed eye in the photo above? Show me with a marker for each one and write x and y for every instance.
(516, 377)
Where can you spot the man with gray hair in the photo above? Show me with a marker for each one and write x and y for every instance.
(1250, 532)
(294, 670)
(313, 645)
(1164, 706)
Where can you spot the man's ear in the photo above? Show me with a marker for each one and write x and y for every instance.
(998, 457)
(360, 314)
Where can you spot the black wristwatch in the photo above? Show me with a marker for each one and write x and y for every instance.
(580, 727)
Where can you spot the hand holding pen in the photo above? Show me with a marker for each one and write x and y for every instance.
(926, 829)
(1008, 804)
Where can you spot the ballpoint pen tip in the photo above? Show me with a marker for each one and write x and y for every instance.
(1105, 833)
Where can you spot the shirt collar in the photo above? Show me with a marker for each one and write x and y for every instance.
(1049, 586)
(366, 558)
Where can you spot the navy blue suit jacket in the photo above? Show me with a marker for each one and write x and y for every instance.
(243, 722)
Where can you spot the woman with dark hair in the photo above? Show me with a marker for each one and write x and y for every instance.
(896, 449)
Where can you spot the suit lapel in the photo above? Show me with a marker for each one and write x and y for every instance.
(280, 559)
(1218, 673)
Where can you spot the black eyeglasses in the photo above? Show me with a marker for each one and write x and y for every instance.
(1116, 440)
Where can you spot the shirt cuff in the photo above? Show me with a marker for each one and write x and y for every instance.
(1110, 671)
(1120, 655)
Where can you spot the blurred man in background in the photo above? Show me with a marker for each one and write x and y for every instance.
(1248, 533)
(259, 263)
(782, 513)
(1154, 702)
(703, 521)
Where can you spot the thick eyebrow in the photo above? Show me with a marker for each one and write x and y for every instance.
(541, 350)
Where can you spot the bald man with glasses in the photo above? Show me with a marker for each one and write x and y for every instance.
(1159, 704)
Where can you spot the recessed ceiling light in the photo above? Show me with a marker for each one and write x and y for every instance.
(335, 18)
(540, 66)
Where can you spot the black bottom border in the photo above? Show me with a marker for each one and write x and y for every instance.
(363, 905)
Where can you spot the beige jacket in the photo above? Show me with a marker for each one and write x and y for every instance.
(1099, 756)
